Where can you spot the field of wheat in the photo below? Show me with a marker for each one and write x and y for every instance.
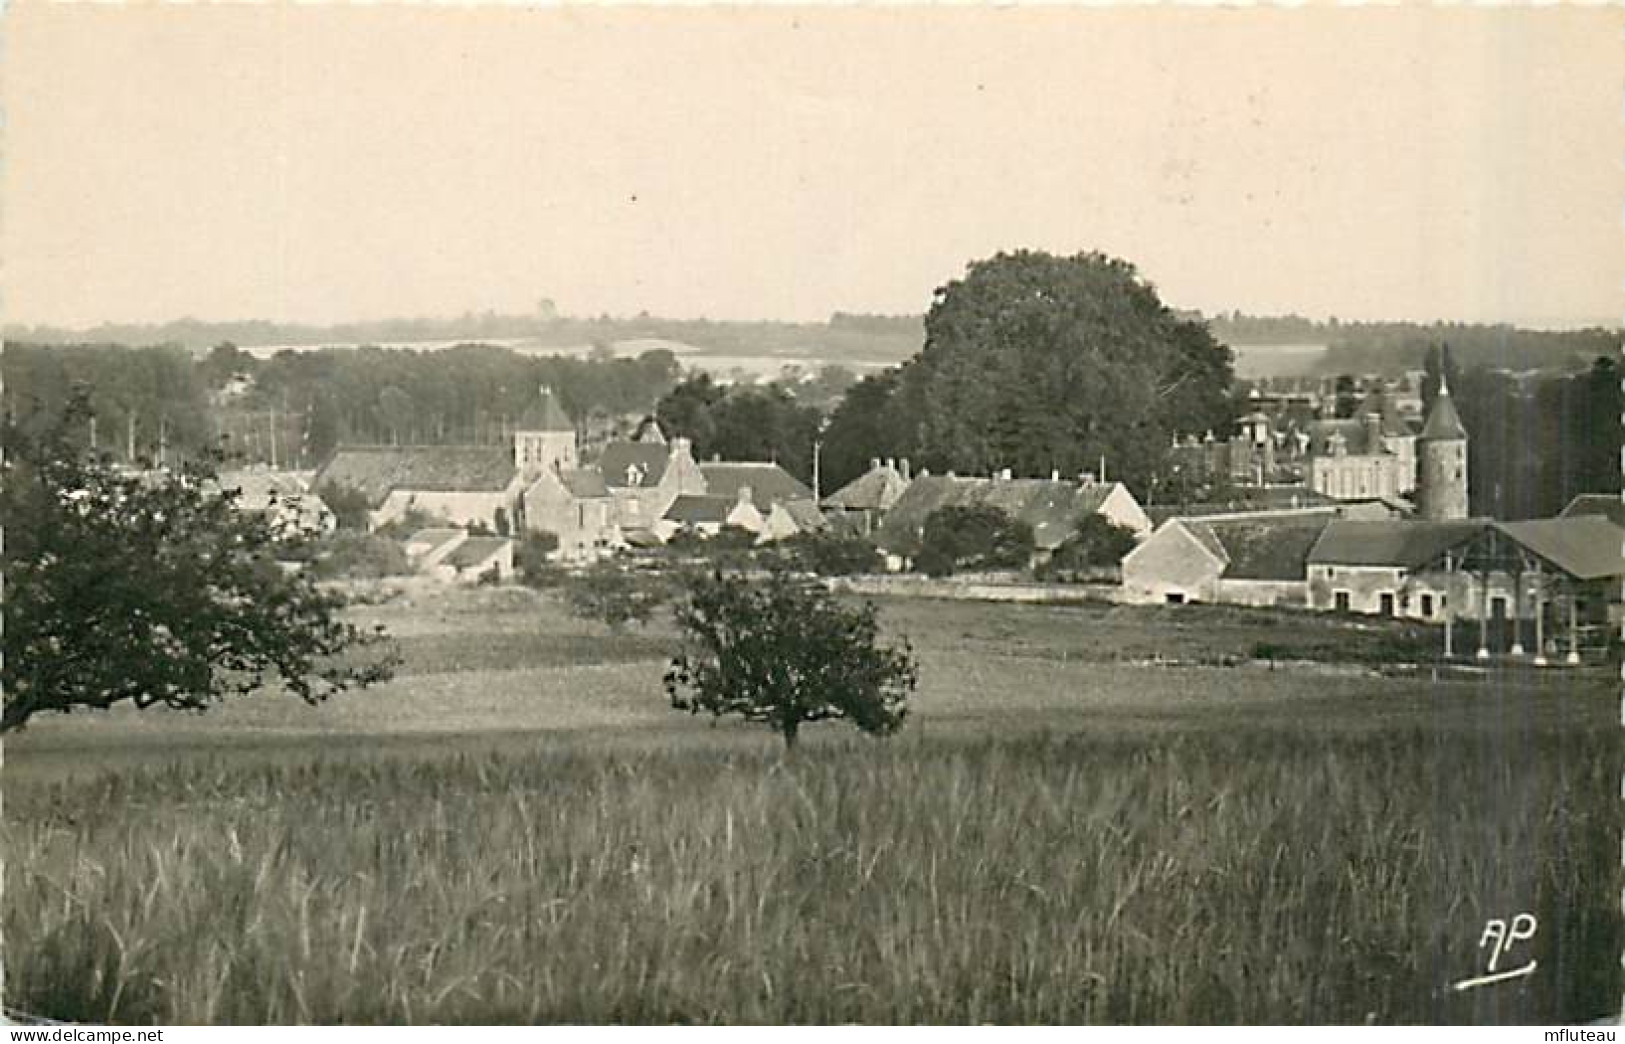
(1260, 846)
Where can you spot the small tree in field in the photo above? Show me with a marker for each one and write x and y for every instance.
(153, 588)
(785, 652)
(614, 595)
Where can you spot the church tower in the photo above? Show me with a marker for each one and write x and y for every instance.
(1441, 492)
(544, 437)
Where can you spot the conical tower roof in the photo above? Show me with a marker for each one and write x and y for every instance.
(1443, 422)
(544, 414)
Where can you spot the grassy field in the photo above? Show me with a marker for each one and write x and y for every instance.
(517, 829)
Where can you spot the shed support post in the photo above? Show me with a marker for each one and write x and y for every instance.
(1484, 618)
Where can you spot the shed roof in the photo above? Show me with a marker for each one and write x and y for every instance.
(378, 470)
(767, 482)
(1406, 545)
(1264, 548)
(1587, 547)
(875, 490)
(1053, 507)
(475, 551)
(1608, 505)
(584, 483)
(691, 509)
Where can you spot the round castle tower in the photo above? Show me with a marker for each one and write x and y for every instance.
(1441, 491)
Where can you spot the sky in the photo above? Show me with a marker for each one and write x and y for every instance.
(328, 163)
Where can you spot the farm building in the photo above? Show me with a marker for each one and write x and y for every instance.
(1243, 559)
(1538, 586)
(1053, 507)
(462, 485)
(708, 515)
(281, 495)
(475, 558)
(1608, 505)
(858, 506)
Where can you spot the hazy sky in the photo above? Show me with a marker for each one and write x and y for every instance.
(322, 163)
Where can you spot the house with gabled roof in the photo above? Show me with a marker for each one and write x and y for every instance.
(645, 475)
(462, 485)
(1053, 507)
(1399, 568)
(1253, 558)
(706, 515)
(858, 506)
(1535, 587)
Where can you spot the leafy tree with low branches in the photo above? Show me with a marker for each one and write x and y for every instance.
(151, 586)
(533, 558)
(785, 652)
(349, 505)
(1095, 543)
(615, 595)
(830, 554)
(973, 536)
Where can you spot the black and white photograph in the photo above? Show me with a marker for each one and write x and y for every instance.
(774, 515)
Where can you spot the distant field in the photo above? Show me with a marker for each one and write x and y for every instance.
(518, 829)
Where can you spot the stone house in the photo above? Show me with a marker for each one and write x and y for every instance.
(1053, 507)
(462, 485)
(1399, 568)
(858, 506)
(645, 476)
(1245, 559)
(575, 505)
(281, 495)
(708, 515)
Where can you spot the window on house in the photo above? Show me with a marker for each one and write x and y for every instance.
(1340, 601)
(1386, 603)
(1176, 597)
(1427, 605)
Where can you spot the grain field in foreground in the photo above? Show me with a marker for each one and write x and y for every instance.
(1274, 875)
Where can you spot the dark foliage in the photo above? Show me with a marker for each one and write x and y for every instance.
(785, 652)
(958, 538)
(150, 586)
(615, 595)
(829, 554)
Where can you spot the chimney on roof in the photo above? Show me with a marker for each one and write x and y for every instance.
(1055, 474)
(891, 464)
(874, 463)
(716, 458)
(1373, 432)
(1086, 477)
(1004, 474)
(903, 469)
(743, 497)
(680, 445)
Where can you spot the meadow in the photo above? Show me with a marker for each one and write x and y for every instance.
(518, 829)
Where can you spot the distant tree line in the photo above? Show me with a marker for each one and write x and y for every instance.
(1391, 348)
(298, 405)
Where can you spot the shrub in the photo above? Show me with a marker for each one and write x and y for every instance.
(533, 559)
(973, 537)
(1096, 542)
(785, 652)
(349, 505)
(358, 556)
(830, 554)
(613, 595)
